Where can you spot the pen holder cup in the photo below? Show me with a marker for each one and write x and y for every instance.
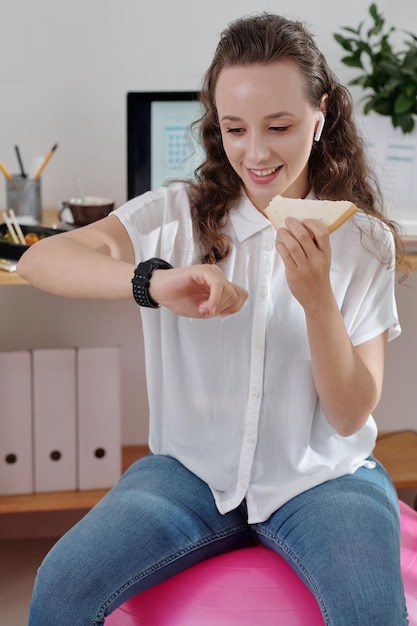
(23, 195)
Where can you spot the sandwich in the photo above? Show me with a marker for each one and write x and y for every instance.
(332, 213)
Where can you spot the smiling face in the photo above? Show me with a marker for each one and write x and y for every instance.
(267, 126)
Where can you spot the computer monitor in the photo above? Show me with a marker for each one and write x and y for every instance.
(160, 145)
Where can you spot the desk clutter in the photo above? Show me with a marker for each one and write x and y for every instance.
(23, 190)
(16, 239)
(60, 426)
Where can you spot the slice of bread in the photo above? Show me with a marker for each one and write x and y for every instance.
(333, 213)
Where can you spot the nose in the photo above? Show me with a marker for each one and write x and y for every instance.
(258, 150)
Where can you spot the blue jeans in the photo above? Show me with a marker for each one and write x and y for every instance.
(341, 537)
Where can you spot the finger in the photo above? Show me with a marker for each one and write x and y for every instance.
(224, 300)
(291, 245)
(283, 251)
(241, 297)
(299, 230)
(215, 283)
(319, 231)
(311, 234)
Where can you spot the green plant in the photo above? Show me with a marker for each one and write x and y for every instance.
(389, 75)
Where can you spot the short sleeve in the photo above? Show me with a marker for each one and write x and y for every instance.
(368, 303)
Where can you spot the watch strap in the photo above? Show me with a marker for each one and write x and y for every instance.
(141, 280)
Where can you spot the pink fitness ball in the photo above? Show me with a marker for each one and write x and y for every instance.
(246, 587)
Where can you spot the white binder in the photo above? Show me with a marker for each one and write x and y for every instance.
(99, 417)
(15, 423)
(54, 411)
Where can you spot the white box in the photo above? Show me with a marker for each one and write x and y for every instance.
(54, 411)
(99, 417)
(15, 423)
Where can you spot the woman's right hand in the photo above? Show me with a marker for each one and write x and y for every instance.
(200, 291)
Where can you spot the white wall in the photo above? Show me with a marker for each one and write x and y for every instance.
(397, 408)
(66, 68)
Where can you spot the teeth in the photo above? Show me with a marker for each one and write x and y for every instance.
(267, 172)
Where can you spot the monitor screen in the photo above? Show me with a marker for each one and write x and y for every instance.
(160, 145)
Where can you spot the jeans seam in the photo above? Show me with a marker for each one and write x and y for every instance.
(160, 564)
(299, 566)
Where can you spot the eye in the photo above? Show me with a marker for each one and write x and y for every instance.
(235, 130)
(279, 129)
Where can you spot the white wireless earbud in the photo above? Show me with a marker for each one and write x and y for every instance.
(320, 127)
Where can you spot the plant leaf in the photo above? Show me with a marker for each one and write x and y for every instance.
(360, 81)
(389, 75)
(373, 11)
(354, 31)
(345, 43)
(354, 60)
(411, 90)
(405, 122)
(403, 103)
(382, 106)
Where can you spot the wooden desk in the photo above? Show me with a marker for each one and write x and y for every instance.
(412, 260)
(397, 451)
(50, 217)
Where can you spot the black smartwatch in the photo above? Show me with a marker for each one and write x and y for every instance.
(141, 278)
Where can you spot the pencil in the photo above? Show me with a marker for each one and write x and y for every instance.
(19, 160)
(46, 161)
(5, 171)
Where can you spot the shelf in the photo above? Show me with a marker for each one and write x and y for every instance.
(64, 500)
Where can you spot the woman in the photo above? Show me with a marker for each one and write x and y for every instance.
(264, 359)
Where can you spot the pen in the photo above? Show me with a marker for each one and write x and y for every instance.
(5, 171)
(46, 161)
(19, 160)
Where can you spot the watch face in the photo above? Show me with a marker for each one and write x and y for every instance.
(159, 264)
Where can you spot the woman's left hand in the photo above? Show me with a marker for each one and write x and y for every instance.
(305, 250)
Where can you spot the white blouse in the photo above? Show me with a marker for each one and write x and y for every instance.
(233, 398)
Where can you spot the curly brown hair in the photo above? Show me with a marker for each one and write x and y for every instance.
(338, 167)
